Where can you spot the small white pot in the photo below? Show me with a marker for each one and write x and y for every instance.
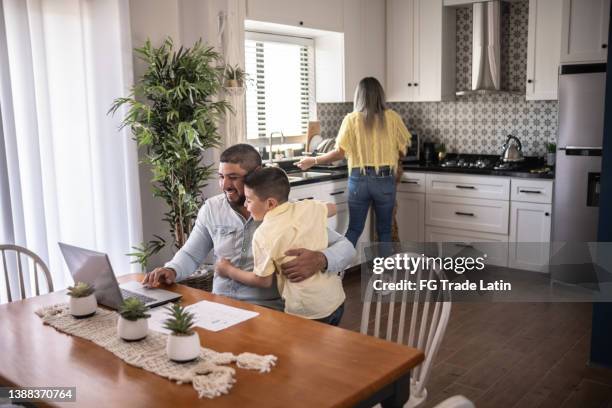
(84, 306)
(182, 349)
(550, 159)
(132, 330)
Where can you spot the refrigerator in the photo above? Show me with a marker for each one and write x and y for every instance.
(579, 146)
(577, 174)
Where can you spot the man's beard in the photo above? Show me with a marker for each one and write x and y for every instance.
(236, 205)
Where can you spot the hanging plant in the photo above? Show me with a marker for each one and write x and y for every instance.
(173, 115)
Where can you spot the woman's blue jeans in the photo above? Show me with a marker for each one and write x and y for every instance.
(371, 188)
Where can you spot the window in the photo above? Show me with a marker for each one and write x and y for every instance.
(280, 96)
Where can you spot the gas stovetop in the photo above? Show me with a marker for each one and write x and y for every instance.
(480, 162)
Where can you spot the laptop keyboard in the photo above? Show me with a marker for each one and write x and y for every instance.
(127, 294)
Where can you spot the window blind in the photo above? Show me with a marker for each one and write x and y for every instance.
(280, 95)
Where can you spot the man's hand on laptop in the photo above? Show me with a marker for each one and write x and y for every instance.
(159, 275)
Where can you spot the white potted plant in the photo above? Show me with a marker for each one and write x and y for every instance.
(132, 324)
(550, 157)
(82, 300)
(183, 344)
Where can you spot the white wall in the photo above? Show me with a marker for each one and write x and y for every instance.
(185, 21)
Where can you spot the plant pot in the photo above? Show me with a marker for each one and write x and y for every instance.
(84, 306)
(132, 330)
(232, 83)
(182, 349)
(550, 159)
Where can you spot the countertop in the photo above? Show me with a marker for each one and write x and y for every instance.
(342, 173)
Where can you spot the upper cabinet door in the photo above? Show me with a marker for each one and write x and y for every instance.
(543, 45)
(319, 14)
(585, 31)
(400, 60)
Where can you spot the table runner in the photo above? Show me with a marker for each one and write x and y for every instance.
(209, 375)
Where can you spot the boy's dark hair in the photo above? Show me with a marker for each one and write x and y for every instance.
(243, 154)
(269, 182)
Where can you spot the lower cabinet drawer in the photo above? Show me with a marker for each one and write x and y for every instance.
(470, 243)
(467, 213)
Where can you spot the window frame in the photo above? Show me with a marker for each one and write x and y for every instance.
(251, 35)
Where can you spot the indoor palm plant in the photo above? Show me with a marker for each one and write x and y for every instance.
(132, 324)
(183, 342)
(173, 114)
(82, 300)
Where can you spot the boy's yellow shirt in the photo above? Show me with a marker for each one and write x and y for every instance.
(290, 226)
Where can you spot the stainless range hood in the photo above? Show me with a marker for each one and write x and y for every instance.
(486, 50)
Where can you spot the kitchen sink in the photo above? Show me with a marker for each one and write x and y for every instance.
(306, 175)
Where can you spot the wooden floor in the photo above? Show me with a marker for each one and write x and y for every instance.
(511, 354)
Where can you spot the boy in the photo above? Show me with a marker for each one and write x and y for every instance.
(285, 226)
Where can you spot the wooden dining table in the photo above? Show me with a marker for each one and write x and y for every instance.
(318, 365)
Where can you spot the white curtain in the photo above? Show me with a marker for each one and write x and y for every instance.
(231, 43)
(66, 172)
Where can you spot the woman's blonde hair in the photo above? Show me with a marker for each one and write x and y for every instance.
(370, 101)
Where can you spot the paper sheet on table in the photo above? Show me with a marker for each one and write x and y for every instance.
(208, 315)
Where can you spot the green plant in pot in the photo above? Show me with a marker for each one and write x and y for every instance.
(235, 77)
(173, 113)
(82, 300)
(132, 324)
(183, 342)
(551, 149)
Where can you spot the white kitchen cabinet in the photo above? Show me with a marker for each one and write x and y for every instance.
(543, 47)
(410, 216)
(467, 213)
(464, 185)
(584, 32)
(456, 242)
(318, 14)
(420, 51)
(364, 40)
(529, 246)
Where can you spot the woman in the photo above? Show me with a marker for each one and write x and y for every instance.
(372, 138)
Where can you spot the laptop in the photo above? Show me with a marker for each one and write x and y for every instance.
(94, 268)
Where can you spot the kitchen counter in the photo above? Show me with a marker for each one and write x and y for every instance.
(332, 175)
(487, 172)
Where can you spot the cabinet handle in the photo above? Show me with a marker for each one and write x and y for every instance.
(604, 45)
(464, 246)
(409, 84)
(529, 81)
(547, 214)
(301, 23)
(305, 198)
(530, 191)
(336, 193)
(464, 213)
(409, 182)
(466, 187)
(416, 84)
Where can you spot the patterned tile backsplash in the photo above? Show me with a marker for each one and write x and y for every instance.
(475, 124)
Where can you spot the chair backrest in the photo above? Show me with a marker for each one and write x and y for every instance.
(20, 256)
(427, 312)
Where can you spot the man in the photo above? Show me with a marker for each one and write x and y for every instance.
(225, 226)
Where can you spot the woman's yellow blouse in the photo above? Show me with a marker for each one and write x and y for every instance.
(380, 146)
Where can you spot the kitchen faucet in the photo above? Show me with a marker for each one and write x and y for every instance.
(270, 157)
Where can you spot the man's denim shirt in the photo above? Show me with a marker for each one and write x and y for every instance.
(226, 232)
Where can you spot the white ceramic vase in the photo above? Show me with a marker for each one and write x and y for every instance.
(83, 306)
(132, 330)
(182, 349)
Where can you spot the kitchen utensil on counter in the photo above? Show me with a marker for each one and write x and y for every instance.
(429, 152)
(314, 143)
(513, 150)
(314, 129)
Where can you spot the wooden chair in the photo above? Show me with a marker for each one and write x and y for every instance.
(30, 258)
(427, 313)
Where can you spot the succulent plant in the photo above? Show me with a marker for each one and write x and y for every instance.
(133, 309)
(551, 147)
(80, 290)
(180, 322)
